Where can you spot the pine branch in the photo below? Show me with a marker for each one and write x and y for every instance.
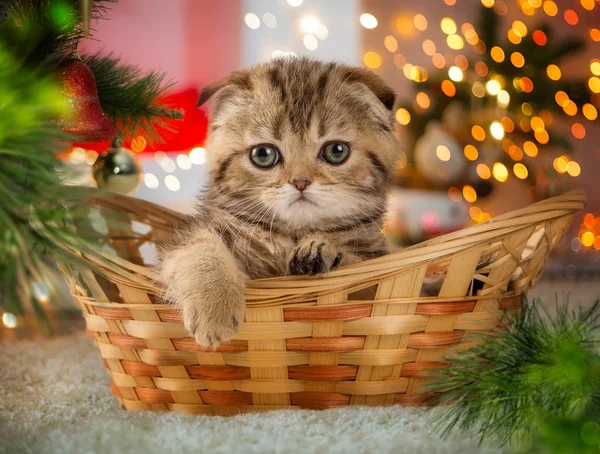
(131, 97)
(541, 371)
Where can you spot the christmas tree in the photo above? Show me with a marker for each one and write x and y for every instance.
(476, 121)
(51, 97)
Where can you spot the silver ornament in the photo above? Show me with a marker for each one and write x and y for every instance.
(117, 169)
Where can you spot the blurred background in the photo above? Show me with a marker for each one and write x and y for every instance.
(497, 99)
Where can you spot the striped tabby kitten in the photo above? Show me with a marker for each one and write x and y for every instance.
(301, 153)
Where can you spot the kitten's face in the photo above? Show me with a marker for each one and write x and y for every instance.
(302, 142)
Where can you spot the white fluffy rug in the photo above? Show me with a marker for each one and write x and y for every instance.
(55, 398)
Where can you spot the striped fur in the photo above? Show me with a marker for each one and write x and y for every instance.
(252, 222)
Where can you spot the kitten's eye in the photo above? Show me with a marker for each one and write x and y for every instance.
(335, 152)
(264, 156)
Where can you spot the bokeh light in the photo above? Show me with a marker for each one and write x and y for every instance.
(403, 116)
(481, 69)
(540, 38)
(455, 42)
(496, 130)
(471, 152)
(500, 172)
(368, 21)
(478, 133)
(390, 43)
(443, 153)
(469, 193)
(429, 47)
(423, 100)
(573, 169)
(571, 17)
(497, 54)
(448, 26)
(520, 171)
(517, 59)
(372, 59)
(553, 72)
(448, 88)
(456, 74)
(578, 130)
(483, 171)
(550, 8)
(590, 112)
(420, 22)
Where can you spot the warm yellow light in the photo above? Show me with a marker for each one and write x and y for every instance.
(570, 109)
(407, 70)
(530, 149)
(560, 164)
(488, 3)
(478, 133)
(588, 4)
(550, 8)
(507, 124)
(520, 171)
(496, 130)
(535, 3)
(594, 84)
(403, 116)
(456, 74)
(517, 59)
(448, 88)
(553, 72)
(429, 47)
(438, 60)
(448, 26)
(420, 22)
(595, 67)
(483, 171)
(595, 34)
(527, 8)
(455, 42)
(475, 213)
(471, 36)
(390, 43)
(418, 74)
(138, 143)
(404, 25)
(500, 172)
(573, 169)
(372, 60)
(497, 54)
(454, 194)
(515, 153)
(537, 124)
(469, 194)
(423, 100)
(503, 98)
(478, 89)
(520, 28)
(471, 152)
(368, 21)
(587, 239)
(542, 136)
(443, 153)
(513, 36)
(9, 320)
(561, 98)
(590, 112)
(493, 87)
(578, 130)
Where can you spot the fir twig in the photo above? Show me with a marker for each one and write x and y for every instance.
(542, 371)
(130, 97)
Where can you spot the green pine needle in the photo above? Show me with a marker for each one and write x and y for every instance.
(130, 97)
(542, 372)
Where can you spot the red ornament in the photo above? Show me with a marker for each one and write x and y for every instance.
(83, 115)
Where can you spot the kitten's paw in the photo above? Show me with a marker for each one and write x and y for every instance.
(213, 323)
(314, 257)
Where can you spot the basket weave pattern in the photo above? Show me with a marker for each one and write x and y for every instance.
(310, 342)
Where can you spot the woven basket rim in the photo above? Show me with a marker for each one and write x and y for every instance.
(144, 277)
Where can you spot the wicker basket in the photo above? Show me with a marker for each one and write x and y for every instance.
(309, 342)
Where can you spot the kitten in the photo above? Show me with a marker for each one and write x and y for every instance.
(301, 154)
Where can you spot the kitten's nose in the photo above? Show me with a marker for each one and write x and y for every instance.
(300, 183)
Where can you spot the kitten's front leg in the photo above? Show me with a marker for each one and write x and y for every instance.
(316, 255)
(201, 276)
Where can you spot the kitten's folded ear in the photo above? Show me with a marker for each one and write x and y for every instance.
(374, 83)
(238, 78)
